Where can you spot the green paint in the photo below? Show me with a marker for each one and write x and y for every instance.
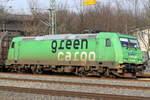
(40, 50)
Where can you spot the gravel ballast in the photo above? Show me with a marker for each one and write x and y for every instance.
(5, 95)
(78, 80)
(76, 88)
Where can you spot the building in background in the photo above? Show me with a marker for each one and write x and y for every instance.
(143, 35)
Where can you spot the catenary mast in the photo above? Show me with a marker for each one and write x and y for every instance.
(52, 17)
(52, 14)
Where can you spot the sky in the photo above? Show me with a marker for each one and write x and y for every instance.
(22, 6)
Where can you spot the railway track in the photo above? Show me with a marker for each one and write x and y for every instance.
(81, 95)
(86, 88)
(141, 77)
(77, 84)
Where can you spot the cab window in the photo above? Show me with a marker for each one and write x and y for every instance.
(108, 43)
(13, 45)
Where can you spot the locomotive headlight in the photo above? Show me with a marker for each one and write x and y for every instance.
(140, 61)
(125, 59)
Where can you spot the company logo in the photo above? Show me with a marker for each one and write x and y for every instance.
(83, 56)
(69, 44)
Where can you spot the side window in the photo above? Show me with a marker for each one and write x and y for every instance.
(108, 43)
(13, 45)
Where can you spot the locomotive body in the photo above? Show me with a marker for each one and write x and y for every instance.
(103, 54)
(5, 41)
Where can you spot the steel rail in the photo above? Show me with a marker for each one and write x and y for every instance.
(71, 94)
(77, 77)
(78, 84)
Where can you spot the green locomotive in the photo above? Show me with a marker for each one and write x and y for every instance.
(104, 54)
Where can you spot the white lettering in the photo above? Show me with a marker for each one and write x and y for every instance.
(76, 56)
(60, 55)
(92, 56)
(83, 57)
(68, 56)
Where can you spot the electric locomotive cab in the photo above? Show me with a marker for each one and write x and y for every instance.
(132, 55)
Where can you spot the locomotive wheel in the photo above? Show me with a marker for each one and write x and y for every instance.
(107, 73)
(13, 68)
(80, 71)
(37, 69)
(1, 68)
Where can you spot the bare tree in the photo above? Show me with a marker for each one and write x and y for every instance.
(37, 19)
(145, 37)
(102, 16)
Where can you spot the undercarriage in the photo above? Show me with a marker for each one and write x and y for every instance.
(122, 71)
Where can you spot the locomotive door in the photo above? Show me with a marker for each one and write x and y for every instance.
(109, 50)
(101, 49)
(14, 50)
(106, 50)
